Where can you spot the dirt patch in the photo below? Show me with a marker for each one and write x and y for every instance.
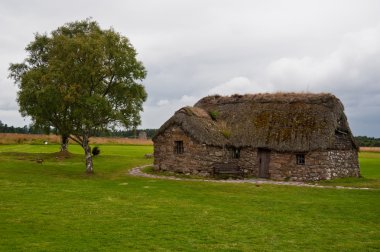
(63, 155)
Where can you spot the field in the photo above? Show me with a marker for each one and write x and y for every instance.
(370, 149)
(11, 138)
(54, 206)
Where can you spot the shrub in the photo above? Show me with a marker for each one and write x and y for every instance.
(214, 115)
(226, 133)
(95, 151)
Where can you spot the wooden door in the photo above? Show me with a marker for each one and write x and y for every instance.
(263, 156)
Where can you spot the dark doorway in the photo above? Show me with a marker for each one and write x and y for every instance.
(263, 156)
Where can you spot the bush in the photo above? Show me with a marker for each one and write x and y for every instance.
(95, 151)
(214, 115)
(226, 133)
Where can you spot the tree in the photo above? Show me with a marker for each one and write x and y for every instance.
(81, 80)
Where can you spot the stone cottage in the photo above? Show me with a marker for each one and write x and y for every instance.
(281, 136)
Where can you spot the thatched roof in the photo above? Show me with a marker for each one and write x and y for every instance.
(282, 121)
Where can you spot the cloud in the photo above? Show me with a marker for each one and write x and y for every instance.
(154, 116)
(13, 118)
(354, 64)
(239, 85)
(188, 100)
(8, 96)
(161, 103)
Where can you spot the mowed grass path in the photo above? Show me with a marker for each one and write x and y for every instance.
(56, 207)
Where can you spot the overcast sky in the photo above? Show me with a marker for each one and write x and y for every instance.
(195, 48)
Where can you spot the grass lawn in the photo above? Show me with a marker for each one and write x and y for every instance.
(54, 206)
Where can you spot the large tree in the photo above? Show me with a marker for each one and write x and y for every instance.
(81, 79)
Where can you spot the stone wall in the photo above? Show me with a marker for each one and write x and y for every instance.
(248, 161)
(196, 159)
(199, 159)
(319, 165)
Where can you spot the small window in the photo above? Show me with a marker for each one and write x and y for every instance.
(300, 159)
(178, 147)
(235, 152)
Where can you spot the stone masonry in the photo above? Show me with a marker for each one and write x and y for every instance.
(199, 159)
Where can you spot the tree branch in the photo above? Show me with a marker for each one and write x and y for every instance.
(78, 139)
(92, 85)
(109, 85)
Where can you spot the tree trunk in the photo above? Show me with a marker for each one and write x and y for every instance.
(87, 152)
(64, 143)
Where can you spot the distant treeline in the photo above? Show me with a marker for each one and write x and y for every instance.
(4, 128)
(127, 133)
(365, 141)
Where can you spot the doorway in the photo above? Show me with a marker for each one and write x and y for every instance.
(263, 156)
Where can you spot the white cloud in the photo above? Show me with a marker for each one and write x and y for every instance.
(13, 118)
(239, 85)
(355, 63)
(8, 95)
(154, 116)
(161, 103)
(187, 100)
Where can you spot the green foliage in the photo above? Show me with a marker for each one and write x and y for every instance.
(81, 80)
(226, 133)
(55, 207)
(80, 76)
(126, 133)
(214, 115)
(365, 141)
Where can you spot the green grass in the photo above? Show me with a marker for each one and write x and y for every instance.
(56, 207)
(370, 164)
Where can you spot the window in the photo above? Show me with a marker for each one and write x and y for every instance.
(178, 147)
(235, 152)
(300, 159)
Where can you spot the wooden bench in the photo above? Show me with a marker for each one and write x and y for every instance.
(227, 169)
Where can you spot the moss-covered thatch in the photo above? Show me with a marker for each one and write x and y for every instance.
(283, 121)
